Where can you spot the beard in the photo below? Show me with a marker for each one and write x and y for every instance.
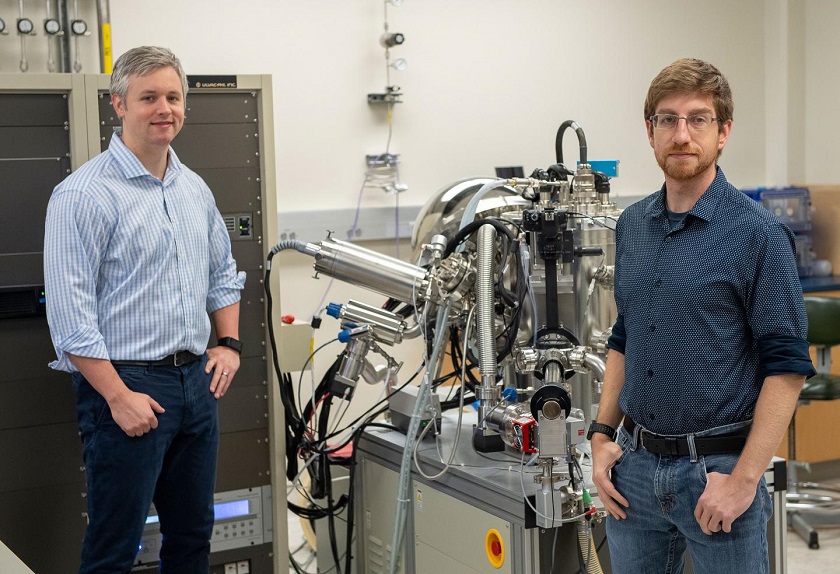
(686, 169)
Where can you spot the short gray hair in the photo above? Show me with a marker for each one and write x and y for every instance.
(141, 61)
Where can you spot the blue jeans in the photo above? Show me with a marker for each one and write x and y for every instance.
(663, 491)
(173, 466)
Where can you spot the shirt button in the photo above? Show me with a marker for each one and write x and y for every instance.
(652, 328)
(657, 283)
(668, 239)
(650, 373)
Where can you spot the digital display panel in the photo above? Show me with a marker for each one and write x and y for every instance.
(221, 511)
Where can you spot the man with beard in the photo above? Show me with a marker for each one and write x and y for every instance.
(708, 353)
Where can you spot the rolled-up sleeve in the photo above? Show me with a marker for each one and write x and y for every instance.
(776, 308)
(74, 243)
(618, 336)
(226, 283)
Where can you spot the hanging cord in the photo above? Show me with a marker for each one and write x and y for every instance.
(448, 464)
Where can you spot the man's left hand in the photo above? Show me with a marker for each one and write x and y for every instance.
(724, 499)
(224, 363)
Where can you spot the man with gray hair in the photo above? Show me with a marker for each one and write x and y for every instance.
(137, 263)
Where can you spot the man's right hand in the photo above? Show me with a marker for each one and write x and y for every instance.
(605, 453)
(135, 412)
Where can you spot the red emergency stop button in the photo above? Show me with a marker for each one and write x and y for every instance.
(495, 547)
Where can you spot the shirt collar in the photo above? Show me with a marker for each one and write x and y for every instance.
(133, 167)
(704, 208)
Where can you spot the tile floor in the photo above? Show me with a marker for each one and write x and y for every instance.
(802, 560)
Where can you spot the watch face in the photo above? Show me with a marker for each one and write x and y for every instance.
(79, 27)
(25, 26)
(51, 26)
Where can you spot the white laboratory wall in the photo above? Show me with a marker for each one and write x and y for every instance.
(822, 88)
(487, 83)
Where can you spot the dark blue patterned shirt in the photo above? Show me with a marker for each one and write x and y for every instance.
(706, 309)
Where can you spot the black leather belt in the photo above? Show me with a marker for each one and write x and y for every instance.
(678, 445)
(174, 360)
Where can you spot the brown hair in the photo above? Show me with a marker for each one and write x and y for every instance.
(690, 76)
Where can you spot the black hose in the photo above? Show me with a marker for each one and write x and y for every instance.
(558, 141)
(470, 228)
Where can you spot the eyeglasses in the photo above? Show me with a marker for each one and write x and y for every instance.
(669, 122)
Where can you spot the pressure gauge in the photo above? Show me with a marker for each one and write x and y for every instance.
(52, 26)
(25, 26)
(79, 27)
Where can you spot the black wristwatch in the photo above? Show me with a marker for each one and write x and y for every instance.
(601, 428)
(234, 344)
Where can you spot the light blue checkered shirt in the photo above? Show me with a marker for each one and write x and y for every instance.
(133, 265)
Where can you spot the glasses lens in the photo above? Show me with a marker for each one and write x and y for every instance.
(669, 122)
(700, 122)
(665, 121)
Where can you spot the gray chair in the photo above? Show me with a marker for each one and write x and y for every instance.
(811, 504)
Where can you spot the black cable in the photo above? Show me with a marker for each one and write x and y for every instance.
(444, 377)
(294, 564)
(336, 448)
(457, 357)
(558, 140)
(508, 222)
(297, 420)
(513, 300)
(305, 364)
(368, 412)
(462, 234)
(315, 512)
(291, 414)
(320, 391)
(321, 395)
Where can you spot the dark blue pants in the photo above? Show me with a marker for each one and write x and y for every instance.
(173, 466)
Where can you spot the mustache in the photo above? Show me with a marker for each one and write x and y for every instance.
(683, 149)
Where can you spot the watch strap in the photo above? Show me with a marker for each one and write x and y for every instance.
(230, 343)
(600, 428)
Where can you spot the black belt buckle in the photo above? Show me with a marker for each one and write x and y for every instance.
(182, 358)
(658, 444)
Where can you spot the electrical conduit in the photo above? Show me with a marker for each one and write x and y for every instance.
(486, 319)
